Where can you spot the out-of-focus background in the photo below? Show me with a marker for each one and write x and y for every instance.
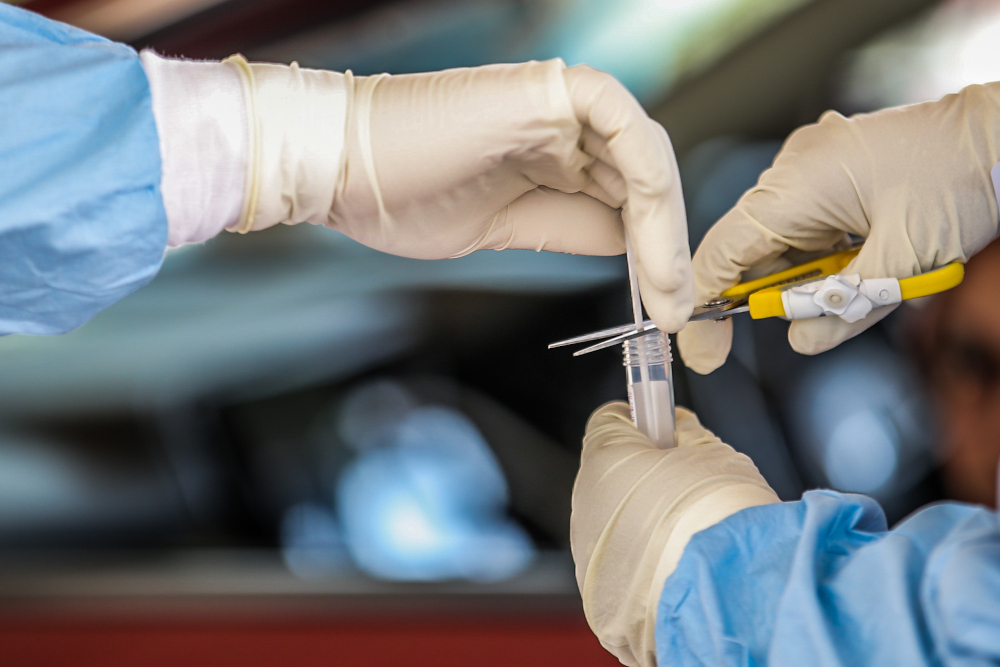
(292, 449)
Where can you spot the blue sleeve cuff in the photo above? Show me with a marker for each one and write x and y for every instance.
(822, 582)
(82, 222)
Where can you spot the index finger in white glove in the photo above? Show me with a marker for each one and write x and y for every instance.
(625, 138)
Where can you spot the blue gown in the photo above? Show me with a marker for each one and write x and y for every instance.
(82, 222)
(821, 582)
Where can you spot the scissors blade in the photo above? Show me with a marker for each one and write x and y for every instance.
(597, 335)
(715, 310)
(621, 338)
(721, 308)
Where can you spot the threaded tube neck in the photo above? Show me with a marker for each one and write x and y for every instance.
(656, 347)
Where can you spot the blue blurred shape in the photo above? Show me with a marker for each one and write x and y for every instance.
(861, 454)
(429, 504)
(373, 413)
(862, 421)
(311, 541)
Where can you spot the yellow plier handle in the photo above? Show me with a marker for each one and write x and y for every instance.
(765, 293)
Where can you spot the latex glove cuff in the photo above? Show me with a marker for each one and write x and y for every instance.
(296, 127)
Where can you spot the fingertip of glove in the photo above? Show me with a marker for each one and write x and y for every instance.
(685, 420)
(666, 272)
(670, 311)
(820, 334)
(682, 414)
(701, 366)
(608, 411)
(609, 425)
(815, 336)
(704, 346)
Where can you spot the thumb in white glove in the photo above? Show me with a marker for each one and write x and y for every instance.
(914, 182)
(635, 507)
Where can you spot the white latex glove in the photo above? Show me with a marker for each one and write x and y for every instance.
(635, 507)
(434, 165)
(913, 181)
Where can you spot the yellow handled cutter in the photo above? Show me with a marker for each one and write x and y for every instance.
(783, 294)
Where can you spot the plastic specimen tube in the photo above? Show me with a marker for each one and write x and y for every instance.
(647, 369)
(651, 387)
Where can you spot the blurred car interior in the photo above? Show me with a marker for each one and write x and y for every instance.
(293, 448)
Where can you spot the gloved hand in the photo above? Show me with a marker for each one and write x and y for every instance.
(433, 165)
(634, 509)
(913, 181)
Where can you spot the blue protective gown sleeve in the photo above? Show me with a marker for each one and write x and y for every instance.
(821, 582)
(82, 222)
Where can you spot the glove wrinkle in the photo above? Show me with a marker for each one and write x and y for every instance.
(481, 242)
(363, 119)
